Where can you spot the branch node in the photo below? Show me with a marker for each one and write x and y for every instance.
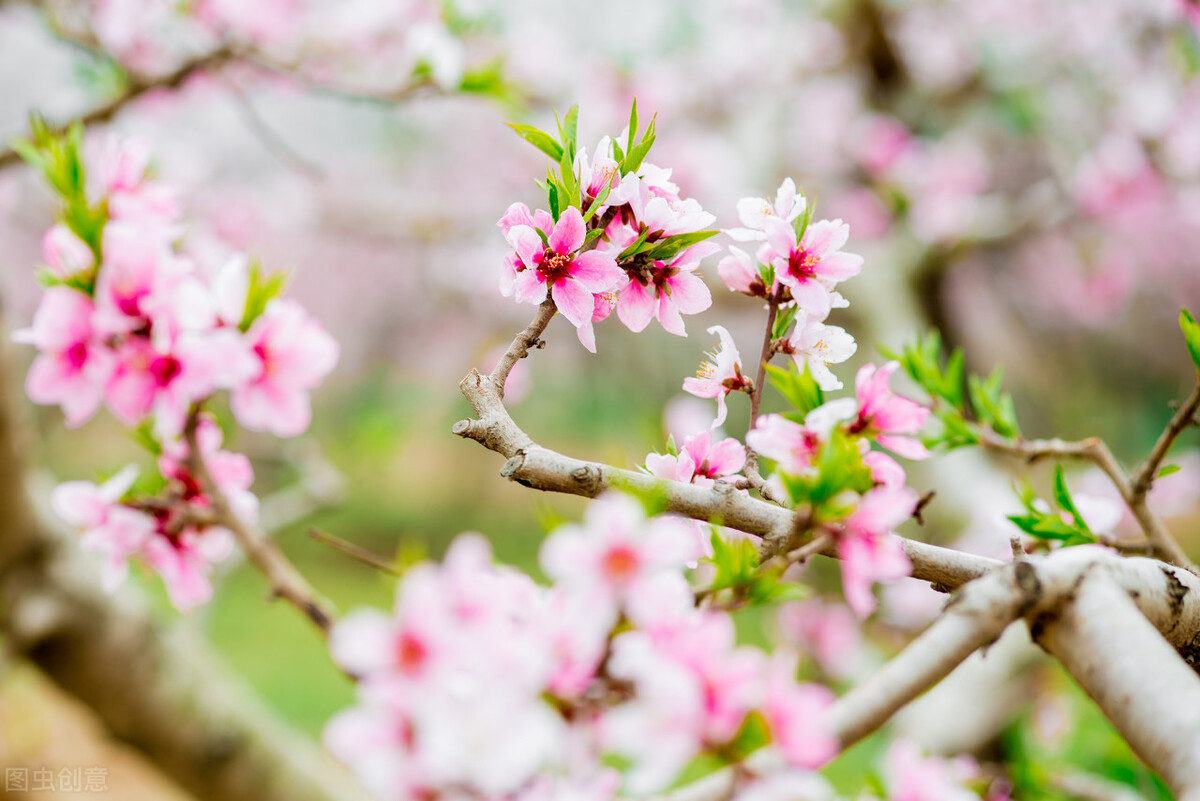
(513, 465)
(462, 428)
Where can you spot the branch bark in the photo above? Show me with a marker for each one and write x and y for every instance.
(285, 580)
(138, 87)
(160, 690)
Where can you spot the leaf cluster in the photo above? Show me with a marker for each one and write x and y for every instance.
(1063, 523)
(963, 403)
(564, 186)
(58, 156)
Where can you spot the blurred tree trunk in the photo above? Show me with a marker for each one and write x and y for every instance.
(158, 689)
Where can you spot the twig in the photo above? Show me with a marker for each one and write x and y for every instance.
(272, 141)
(765, 353)
(137, 88)
(541, 468)
(521, 345)
(1094, 450)
(354, 551)
(285, 580)
(1143, 477)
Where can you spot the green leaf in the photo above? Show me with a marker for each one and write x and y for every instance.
(797, 387)
(1191, 335)
(783, 321)
(539, 139)
(144, 436)
(634, 246)
(262, 290)
(570, 130)
(1062, 495)
(633, 126)
(570, 182)
(802, 222)
(667, 249)
(736, 563)
(595, 205)
(1168, 469)
(553, 198)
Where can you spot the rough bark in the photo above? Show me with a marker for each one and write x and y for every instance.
(158, 689)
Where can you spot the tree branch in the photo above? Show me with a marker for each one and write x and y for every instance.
(163, 692)
(137, 87)
(285, 580)
(541, 468)
(1095, 450)
(1144, 476)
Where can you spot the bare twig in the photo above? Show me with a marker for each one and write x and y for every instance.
(354, 551)
(1095, 450)
(1143, 477)
(285, 580)
(541, 468)
(137, 88)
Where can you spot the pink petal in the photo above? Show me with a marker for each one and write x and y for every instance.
(635, 306)
(574, 301)
(597, 271)
(690, 293)
(568, 233)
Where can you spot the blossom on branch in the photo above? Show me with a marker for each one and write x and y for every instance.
(722, 375)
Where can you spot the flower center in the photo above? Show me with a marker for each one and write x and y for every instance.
(410, 653)
(164, 369)
(76, 355)
(802, 264)
(555, 267)
(621, 562)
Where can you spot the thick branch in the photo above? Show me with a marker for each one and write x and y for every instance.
(1148, 693)
(163, 692)
(285, 580)
(976, 616)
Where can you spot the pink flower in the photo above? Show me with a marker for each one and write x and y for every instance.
(828, 631)
(109, 528)
(868, 550)
(572, 278)
(65, 254)
(231, 472)
(616, 550)
(294, 353)
(799, 716)
(892, 419)
(666, 291)
(719, 377)
(912, 777)
(700, 462)
(740, 273)
(165, 382)
(137, 282)
(816, 346)
(72, 366)
(754, 212)
(183, 562)
(603, 305)
(791, 445)
(812, 267)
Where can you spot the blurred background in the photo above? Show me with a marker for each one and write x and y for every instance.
(1023, 176)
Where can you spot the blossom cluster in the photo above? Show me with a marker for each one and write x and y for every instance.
(133, 322)
(625, 240)
(487, 684)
